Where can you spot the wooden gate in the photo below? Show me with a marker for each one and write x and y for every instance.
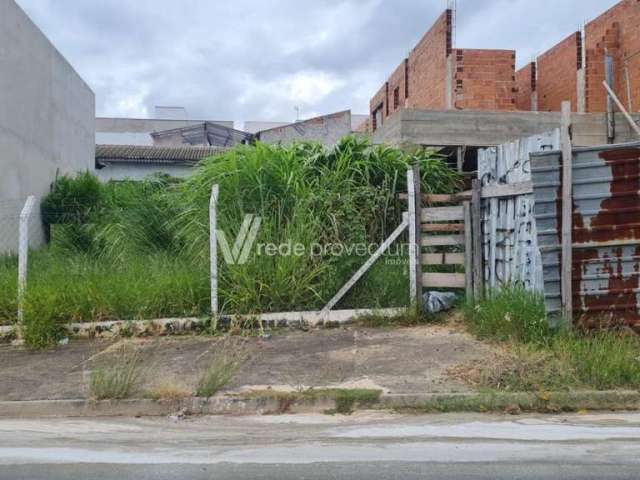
(440, 240)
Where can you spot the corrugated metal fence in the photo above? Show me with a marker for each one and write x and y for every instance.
(605, 231)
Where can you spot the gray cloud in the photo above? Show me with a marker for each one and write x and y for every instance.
(251, 59)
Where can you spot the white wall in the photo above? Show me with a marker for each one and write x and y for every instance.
(123, 171)
(47, 116)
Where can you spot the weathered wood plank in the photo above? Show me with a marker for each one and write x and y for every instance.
(493, 237)
(511, 190)
(442, 227)
(442, 240)
(567, 207)
(442, 214)
(443, 280)
(443, 259)
(468, 249)
(476, 229)
(433, 198)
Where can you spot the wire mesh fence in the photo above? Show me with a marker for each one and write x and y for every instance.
(18, 218)
(135, 255)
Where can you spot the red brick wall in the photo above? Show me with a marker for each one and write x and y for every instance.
(484, 79)
(427, 66)
(558, 74)
(397, 80)
(525, 85)
(618, 30)
(379, 99)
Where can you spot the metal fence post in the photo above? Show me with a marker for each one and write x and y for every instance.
(567, 213)
(23, 253)
(213, 249)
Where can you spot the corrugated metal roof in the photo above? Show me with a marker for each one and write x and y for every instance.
(206, 133)
(162, 154)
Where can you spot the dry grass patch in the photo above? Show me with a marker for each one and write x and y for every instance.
(171, 390)
(520, 368)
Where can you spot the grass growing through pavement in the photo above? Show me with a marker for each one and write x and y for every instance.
(537, 357)
(117, 381)
(218, 373)
(346, 399)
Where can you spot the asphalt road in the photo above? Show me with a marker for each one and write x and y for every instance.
(363, 446)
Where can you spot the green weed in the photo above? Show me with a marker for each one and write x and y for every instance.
(117, 381)
(218, 373)
(511, 313)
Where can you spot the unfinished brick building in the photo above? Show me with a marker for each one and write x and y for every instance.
(436, 76)
(574, 69)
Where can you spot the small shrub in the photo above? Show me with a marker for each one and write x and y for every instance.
(72, 199)
(117, 381)
(512, 313)
(219, 373)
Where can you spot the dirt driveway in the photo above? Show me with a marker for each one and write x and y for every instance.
(400, 360)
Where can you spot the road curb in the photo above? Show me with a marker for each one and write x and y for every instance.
(514, 402)
(270, 404)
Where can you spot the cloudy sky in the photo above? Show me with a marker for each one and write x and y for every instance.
(258, 59)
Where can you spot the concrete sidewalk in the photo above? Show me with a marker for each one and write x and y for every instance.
(397, 361)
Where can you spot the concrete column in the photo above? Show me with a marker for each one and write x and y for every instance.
(448, 82)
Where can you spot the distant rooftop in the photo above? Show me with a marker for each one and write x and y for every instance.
(152, 154)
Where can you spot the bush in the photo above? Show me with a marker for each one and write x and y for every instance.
(511, 313)
(72, 200)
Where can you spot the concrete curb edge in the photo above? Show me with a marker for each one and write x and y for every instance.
(269, 404)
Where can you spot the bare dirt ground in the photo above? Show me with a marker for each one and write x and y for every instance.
(398, 360)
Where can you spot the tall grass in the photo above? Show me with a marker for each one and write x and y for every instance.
(141, 249)
(511, 313)
(603, 360)
(305, 195)
(539, 357)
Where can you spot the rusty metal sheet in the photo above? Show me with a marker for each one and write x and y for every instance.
(605, 229)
